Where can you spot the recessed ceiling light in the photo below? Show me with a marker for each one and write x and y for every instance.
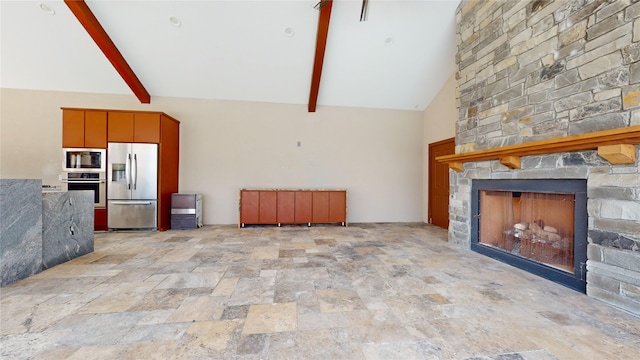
(289, 31)
(388, 41)
(47, 9)
(175, 21)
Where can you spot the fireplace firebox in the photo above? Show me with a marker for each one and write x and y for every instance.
(538, 225)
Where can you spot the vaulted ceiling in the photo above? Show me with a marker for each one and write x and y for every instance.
(398, 58)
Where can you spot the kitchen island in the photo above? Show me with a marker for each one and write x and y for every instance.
(40, 230)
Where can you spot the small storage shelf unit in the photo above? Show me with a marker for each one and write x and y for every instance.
(186, 211)
(292, 206)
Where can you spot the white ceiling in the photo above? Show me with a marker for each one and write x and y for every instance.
(237, 50)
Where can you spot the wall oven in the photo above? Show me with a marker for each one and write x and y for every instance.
(95, 181)
(84, 160)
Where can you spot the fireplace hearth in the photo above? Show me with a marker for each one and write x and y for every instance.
(536, 225)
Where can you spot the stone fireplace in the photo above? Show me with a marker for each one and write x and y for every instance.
(535, 72)
(536, 225)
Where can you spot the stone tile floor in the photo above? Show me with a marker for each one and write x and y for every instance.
(369, 291)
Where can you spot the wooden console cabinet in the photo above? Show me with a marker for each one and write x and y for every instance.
(289, 206)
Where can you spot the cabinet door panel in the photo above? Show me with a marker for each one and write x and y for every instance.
(146, 128)
(337, 206)
(100, 219)
(320, 206)
(303, 207)
(168, 164)
(268, 207)
(72, 128)
(95, 129)
(120, 127)
(250, 207)
(286, 212)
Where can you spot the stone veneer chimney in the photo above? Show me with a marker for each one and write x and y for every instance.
(543, 69)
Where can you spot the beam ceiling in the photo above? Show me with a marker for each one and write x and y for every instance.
(81, 10)
(321, 44)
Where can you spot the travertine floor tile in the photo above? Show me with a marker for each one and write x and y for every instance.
(368, 291)
(269, 318)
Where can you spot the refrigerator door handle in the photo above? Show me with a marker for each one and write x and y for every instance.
(135, 175)
(127, 171)
(129, 202)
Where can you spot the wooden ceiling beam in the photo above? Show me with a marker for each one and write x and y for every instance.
(81, 10)
(321, 44)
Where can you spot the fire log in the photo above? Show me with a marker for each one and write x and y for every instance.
(546, 235)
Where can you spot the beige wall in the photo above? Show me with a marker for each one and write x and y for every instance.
(226, 145)
(439, 124)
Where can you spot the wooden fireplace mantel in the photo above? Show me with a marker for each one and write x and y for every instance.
(616, 146)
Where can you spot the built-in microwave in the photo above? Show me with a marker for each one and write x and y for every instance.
(84, 160)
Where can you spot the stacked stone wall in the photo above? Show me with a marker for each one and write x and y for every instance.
(543, 69)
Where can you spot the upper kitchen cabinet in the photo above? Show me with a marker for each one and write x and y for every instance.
(138, 127)
(120, 127)
(84, 128)
(146, 128)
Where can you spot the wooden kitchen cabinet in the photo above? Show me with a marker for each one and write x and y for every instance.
(303, 207)
(100, 219)
(84, 129)
(337, 206)
(146, 128)
(286, 210)
(292, 206)
(137, 127)
(258, 207)
(168, 163)
(120, 126)
(72, 129)
(95, 128)
(249, 207)
(320, 210)
(329, 206)
(268, 207)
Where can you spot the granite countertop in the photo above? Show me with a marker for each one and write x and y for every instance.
(52, 188)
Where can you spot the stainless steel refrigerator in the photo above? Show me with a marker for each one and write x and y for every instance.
(132, 186)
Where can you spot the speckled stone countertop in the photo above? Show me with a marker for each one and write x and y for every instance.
(67, 226)
(40, 229)
(20, 229)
